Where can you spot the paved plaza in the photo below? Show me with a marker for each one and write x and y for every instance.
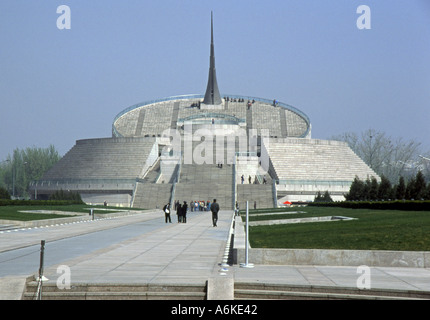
(174, 253)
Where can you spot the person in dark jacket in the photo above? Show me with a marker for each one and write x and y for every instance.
(179, 212)
(166, 210)
(184, 212)
(214, 209)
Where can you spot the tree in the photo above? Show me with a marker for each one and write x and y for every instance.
(4, 194)
(365, 195)
(427, 193)
(66, 195)
(420, 186)
(24, 166)
(401, 189)
(327, 197)
(323, 198)
(410, 189)
(415, 189)
(356, 190)
(373, 189)
(386, 156)
(424, 165)
(384, 189)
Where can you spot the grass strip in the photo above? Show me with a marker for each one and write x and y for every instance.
(374, 230)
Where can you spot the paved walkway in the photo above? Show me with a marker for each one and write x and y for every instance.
(186, 253)
(178, 253)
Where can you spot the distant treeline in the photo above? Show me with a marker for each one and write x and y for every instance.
(58, 198)
(406, 205)
(372, 190)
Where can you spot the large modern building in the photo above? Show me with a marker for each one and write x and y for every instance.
(200, 147)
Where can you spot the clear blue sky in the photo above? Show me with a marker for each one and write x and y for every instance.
(58, 86)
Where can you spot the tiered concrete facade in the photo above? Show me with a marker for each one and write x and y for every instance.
(303, 167)
(100, 170)
(147, 163)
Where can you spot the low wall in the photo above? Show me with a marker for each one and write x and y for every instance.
(321, 257)
(325, 257)
(77, 218)
(45, 222)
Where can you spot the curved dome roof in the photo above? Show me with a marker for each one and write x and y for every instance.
(152, 118)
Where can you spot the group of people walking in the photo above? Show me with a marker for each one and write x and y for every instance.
(200, 206)
(181, 211)
(242, 180)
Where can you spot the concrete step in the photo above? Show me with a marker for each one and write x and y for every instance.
(8, 227)
(50, 291)
(250, 291)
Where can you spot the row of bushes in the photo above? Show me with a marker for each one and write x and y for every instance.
(6, 202)
(372, 190)
(66, 195)
(407, 205)
(58, 198)
(4, 194)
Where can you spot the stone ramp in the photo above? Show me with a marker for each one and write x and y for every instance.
(261, 194)
(152, 195)
(149, 194)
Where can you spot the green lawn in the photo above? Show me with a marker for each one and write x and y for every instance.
(13, 212)
(374, 230)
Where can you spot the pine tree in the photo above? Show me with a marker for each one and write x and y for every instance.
(4, 194)
(384, 189)
(327, 197)
(366, 190)
(410, 189)
(355, 191)
(373, 189)
(420, 186)
(401, 189)
(427, 193)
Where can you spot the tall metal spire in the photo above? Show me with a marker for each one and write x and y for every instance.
(212, 95)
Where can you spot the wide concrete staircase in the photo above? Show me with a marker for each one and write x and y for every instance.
(265, 291)
(206, 182)
(107, 158)
(311, 159)
(107, 291)
(242, 291)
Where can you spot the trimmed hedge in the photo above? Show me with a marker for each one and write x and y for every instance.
(405, 205)
(37, 202)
